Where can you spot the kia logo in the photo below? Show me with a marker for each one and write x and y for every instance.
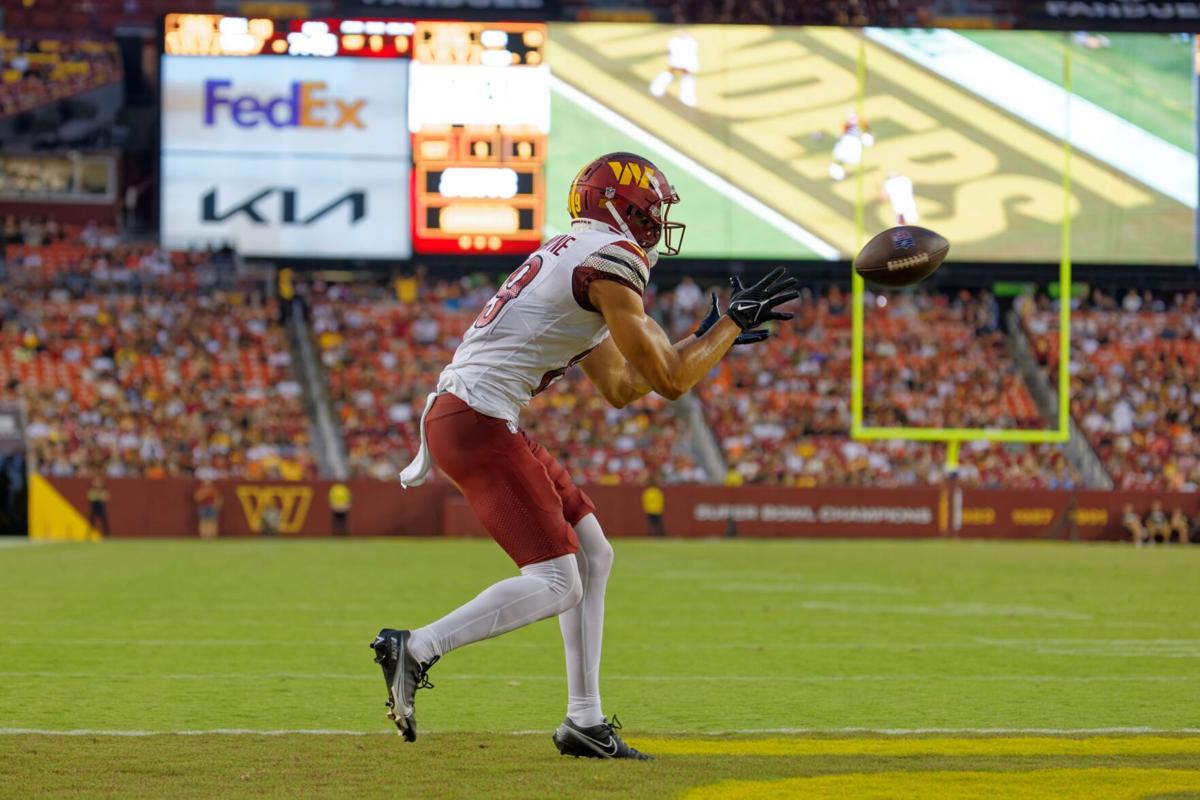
(281, 206)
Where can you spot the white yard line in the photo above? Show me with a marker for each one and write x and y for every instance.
(1081, 647)
(1101, 134)
(897, 732)
(706, 176)
(372, 677)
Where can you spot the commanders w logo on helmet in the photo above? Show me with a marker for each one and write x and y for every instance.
(631, 193)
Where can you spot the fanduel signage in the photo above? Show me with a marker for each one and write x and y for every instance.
(1127, 15)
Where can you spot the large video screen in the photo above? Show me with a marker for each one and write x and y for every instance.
(961, 132)
(384, 139)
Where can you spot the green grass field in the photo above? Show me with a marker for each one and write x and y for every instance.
(751, 668)
(720, 227)
(1144, 77)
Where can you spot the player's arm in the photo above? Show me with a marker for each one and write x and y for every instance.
(619, 381)
(615, 378)
(651, 362)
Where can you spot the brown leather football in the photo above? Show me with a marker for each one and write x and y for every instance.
(901, 256)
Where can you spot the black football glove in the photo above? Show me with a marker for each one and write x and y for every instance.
(755, 305)
(714, 314)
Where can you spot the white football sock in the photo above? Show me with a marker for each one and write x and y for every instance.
(687, 90)
(659, 87)
(583, 626)
(541, 590)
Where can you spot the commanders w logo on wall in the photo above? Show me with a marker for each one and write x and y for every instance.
(631, 173)
(291, 501)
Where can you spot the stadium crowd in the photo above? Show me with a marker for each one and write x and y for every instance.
(383, 348)
(125, 368)
(42, 69)
(132, 360)
(781, 410)
(1159, 527)
(1135, 382)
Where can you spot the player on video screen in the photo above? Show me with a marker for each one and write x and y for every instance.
(899, 191)
(848, 149)
(683, 62)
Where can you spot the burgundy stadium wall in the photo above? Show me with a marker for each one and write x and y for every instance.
(164, 507)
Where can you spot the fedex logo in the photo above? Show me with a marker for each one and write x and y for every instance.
(306, 105)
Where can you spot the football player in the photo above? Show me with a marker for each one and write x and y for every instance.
(683, 62)
(848, 149)
(899, 191)
(576, 300)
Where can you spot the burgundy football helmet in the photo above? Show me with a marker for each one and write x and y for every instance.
(630, 193)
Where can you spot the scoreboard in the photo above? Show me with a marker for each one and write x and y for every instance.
(479, 115)
(366, 138)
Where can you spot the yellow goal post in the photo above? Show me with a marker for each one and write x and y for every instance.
(953, 437)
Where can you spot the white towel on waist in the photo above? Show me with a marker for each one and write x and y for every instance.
(418, 469)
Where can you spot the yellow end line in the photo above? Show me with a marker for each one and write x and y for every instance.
(940, 746)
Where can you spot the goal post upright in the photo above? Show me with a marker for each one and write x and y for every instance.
(856, 281)
(953, 437)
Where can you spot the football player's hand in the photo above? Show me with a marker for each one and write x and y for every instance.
(754, 305)
(714, 314)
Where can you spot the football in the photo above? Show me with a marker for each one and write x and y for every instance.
(901, 256)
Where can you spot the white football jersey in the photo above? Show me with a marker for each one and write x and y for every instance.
(541, 322)
(683, 53)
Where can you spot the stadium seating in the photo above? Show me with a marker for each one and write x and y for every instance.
(41, 254)
(640, 444)
(124, 369)
(43, 68)
(382, 356)
(92, 15)
(781, 410)
(1135, 383)
(134, 360)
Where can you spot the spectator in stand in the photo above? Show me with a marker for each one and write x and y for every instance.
(1180, 527)
(686, 307)
(1135, 383)
(1131, 521)
(208, 509)
(129, 366)
(781, 410)
(42, 69)
(97, 497)
(1158, 530)
(383, 353)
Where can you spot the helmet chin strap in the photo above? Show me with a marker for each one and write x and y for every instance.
(620, 220)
